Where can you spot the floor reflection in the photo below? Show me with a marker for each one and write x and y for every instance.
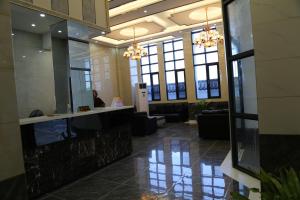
(173, 164)
(173, 175)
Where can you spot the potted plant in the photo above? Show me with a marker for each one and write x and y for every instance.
(285, 186)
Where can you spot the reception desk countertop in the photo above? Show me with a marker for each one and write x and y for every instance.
(34, 120)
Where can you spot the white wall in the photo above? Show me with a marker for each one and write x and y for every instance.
(33, 74)
(276, 30)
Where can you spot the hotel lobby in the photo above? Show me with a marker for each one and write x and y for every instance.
(149, 99)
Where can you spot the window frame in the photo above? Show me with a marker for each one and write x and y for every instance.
(175, 70)
(150, 72)
(206, 64)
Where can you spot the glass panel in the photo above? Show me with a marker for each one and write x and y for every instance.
(212, 57)
(201, 82)
(154, 68)
(179, 55)
(199, 59)
(168, 46)
(209, 49)
(145, 60)
(152, 50)
(179, 64)
(156, 89)
(214, 81)
(181, 84)
(195, 36)
(178, 45)
(145, 69)
(169, 65)
(240, 26)
(169, 56)
(79, 55)
(245, 84)
(171, 85)
(81, 89)
(247, 144)
(153, 59)
(198, 49)
(146, 49)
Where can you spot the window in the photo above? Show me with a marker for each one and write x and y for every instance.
(206, 66)
(175, 69)
(150, 72)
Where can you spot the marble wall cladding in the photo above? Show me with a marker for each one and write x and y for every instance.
(75, 9)
(31, 60)
(56, 164)
(13, 188)
(123, 71)
(276, 64)
(11, 161)
(277, 151)
(60, 6)
(43, 4)
(104, 72)
(89, 11)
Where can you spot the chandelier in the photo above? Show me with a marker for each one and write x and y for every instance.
(135, 51)
(209, 37)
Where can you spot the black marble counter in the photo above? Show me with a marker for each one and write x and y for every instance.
(61, 151)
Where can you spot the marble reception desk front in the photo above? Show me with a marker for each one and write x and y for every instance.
(59, 151)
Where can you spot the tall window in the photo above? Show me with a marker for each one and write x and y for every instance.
(206, 65)
(150, 72)
(175, 69)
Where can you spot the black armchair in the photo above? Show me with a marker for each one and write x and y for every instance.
(214, 124)
(143, 125)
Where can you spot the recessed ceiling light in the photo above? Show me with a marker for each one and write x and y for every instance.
(59, 31)
(145, 11)
(103, 32)
(33, 25)
(23, 56)
(12, 34)
(42, 15)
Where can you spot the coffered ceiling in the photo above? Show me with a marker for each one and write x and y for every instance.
(155, 19)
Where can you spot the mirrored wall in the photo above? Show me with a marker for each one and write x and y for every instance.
(52, 63)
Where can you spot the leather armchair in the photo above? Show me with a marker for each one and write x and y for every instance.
(143, 125)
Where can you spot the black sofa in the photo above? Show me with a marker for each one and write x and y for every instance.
(214, 124)
(143, 125)
(173, 112)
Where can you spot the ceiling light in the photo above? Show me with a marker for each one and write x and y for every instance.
(40, 51)
(103, 32)
(209, 37)
(23, 56)
(145, 11)
(135, 51)
(12, 34)
(33, 25)
(59, 31)
(42, 15)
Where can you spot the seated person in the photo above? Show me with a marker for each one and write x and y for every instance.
(97, 101)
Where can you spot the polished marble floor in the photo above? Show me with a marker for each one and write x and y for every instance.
(173, 164)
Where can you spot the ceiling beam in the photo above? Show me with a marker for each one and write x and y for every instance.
(151, 9)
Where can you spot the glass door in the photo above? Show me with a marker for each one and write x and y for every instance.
(242, 85)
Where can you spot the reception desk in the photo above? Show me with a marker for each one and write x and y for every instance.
(60, 149)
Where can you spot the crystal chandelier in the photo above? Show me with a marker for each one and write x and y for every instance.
(209, 37)
(135, 51)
